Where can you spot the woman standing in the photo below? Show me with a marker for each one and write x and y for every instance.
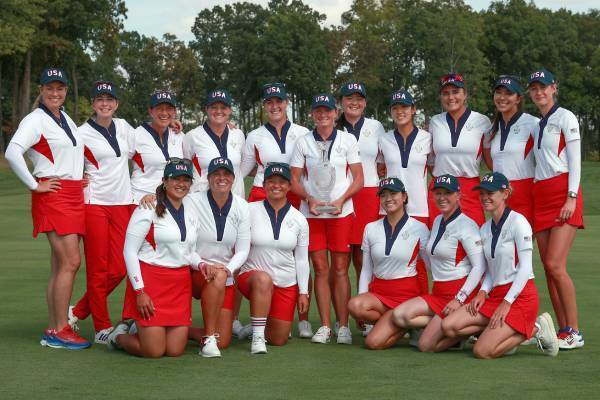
(55, 149)
(558, 201)
(325, 157)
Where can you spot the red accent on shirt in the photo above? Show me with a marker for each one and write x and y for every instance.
(150, 237)
(460, 254)
(516, 256)
(562, 144)
(480, 151)
(137, 158)
(44, 149)
(257, 156)
(197, 164)
(528, 147)
(415, 252)
(87, 153)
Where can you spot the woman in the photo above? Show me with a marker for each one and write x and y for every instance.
(508, 315)
(108, 200)
(275, 276)
(558, 201)
(456, 259)
(327, 204)
(389, 274)
(55, 149)
(509, 147)
(405, 150)
(273, 142)
(223, 245)
(159, 246)
(458, 137)
(215, 139)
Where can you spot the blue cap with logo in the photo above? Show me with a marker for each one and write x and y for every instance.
(162, 96)
(218, 163)
(401, 97)
(104, 87)
(53, 75)
(448, 182)
(509, 82)
(353, 87)
(219, 96)
(178, 167)
(542, 76)
(323, 100)
(274, 90)
(492, 182)
(392, 184)
(280, 169)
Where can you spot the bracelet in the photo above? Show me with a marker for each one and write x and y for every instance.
(139, 292)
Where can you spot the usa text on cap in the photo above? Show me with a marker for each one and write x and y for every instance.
(323, 100)
(453, 79)
(280, 169)
(542, 76)
(53, 75)
(493, 182)
(447, 182)
(353, 87)
(401, 97)
(219, 96)
(218, 163)
(510, 82)
(162, 96)
(392, 184)
(106, 87)
(274, 90)
(178, 167)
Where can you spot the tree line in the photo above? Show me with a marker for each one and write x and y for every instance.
(387, 44)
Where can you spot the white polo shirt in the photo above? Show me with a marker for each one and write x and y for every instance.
(458, 152)
(512, 147)
(450, 246)
(279, 245)
(106, 162)
(264, 146)
(407, 160)
(343, 152)
(391, 254)
(367, 132)
(149, 157)
(201, 145)
(53, 151)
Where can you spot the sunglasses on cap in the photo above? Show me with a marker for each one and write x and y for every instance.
(513, 77)
(180, 161)
(452, 77)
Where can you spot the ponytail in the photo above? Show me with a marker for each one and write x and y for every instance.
(161, 197)
(36, 102)
(495, 125)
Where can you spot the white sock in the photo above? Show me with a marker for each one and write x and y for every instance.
(258, 325)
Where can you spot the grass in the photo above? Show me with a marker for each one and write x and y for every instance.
(298, 370)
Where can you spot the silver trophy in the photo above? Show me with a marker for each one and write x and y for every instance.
(322, 179)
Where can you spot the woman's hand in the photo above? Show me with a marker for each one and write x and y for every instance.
(145, 306)
(210, 270)
(452, 306)
(567, 210)
(474, 306)
(86, 180)
(497, 320)
(313, 204)
(176, 125)
(148, 201)
(303, 303)
(51, 185)
(338, 204)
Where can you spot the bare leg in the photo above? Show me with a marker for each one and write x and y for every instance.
(543, 239)
(493, 343)
(213, 294)
(384, 334)
(322, 290)
(433, 340)
(366, 307)
(277, 331)
(176, 340)
(149, 342)
(413, 314)
(461, 323)
(341, 291)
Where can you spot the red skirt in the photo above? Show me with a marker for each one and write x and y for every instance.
(257, 193)
(469, 200)
(523, 311)
(171, 292)
(549, 196)
(443, 292)
(392, 292)
(366, 209)
(283, 299)
(62, 212)
(521, 199)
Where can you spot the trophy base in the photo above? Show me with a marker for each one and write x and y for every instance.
(326, 209)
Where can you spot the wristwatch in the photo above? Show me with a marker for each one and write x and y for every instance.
(139, 292)
(572, 195)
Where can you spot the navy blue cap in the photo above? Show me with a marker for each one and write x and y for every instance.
(162, 96)
(323, 100)
(453, 79)
(448, 182)
(274, 90)
(53, 75)
(392, 184)
(177, 167)
(353, 87)
(492, 182)
(542, 76)
(107, 87)
(280, 169)
(401, 97)
(218, 163)
(510, 82)
(219, 96)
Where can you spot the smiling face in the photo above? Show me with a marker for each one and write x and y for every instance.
(105, 105)
(506, 101)
(177, 188)
(542, 95)
(402, 114)
(453, 98)
(162, 115)
(446, 201)
(53, 95)
(276, 187)
(391, 201)
(324, 117)
(220, 181)
(354, 105)
(218, 113)
(276, 110)
(492, 200)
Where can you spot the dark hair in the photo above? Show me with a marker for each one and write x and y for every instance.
(496, 122)
(161, 196)
(339, 124)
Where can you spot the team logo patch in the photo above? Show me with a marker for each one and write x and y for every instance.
(292, 136)
(446, 235)
(339, 149)
(367, 133)
(479, 243)
(405, 235)
(527, 238)
(419, 148)
(574, 130)
(290, 224)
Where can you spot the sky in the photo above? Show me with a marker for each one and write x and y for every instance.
(155, 18)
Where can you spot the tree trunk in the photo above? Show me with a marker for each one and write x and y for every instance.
(26, 86)
(15, 99)
(4, 134)
(76, 95)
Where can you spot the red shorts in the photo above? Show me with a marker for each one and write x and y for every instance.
(392, 292)
(366, 209)
(171, 292)
(521, 199)
(198, 281)
(443, 292)
(549, 196)
(523, 310)
(331, 234)
(62, 212)
(283, 300)
(469, 200)
(257, 193)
